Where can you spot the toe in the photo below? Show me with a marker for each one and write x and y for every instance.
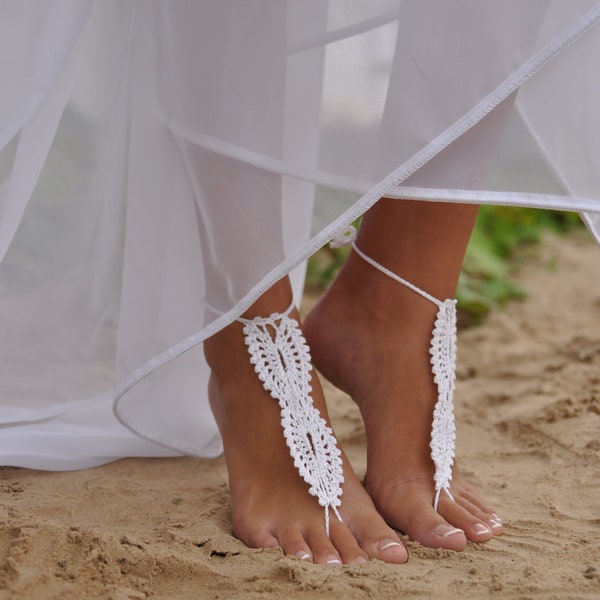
(439, 533)
(347, 545)
(391, 551)
(431, 529)
(321, 547)
(413, 514)
(383, 543)
(435, 532)
(475, 504)
(495, 522)
(372, 533)
(455, 512)
(292, 543)
(489, 519)
(257, 539)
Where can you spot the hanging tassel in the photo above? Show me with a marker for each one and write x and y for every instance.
(443, 366)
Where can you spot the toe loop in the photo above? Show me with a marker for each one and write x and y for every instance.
(436, 501)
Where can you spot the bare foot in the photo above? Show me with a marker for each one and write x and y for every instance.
(270, 502)
(372, 341)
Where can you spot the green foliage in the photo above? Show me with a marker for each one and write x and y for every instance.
(499, 236)
(323, 266)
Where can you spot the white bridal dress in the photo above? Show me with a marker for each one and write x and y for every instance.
(163, 162)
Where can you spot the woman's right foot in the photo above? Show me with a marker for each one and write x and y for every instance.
(270, 501)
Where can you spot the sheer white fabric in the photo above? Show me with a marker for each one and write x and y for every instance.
(160, 162)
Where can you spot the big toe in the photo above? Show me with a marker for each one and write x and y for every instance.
(433, 531)
(384, 545)
(478, 525)
(413, 514)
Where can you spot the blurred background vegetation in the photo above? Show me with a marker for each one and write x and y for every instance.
(498, 242)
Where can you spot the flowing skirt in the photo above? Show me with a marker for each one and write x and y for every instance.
(162, 163)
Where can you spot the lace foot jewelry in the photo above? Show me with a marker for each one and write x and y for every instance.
(281, 359)
(443, 367)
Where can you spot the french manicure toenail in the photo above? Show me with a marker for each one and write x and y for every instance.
(385, 545)
(334, 561)
(453, 531)
(302, 555)
(446, 531)
(360, 560)
(480, 528)
(495, 524)
(495, 517)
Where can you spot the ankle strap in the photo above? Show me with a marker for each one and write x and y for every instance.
(270, 319)
(395, 277)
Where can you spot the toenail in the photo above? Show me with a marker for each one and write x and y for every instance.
(446, 530)
(334, 561)
(495, 517)
(302, 555)
(360, 560)
(385, 545)
(495, 524)
(479, 528)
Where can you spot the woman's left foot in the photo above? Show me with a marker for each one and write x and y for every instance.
(372, 341)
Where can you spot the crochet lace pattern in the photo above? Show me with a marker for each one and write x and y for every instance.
(443, 367)
(281, 359)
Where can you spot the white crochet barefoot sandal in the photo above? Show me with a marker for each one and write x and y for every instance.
(443, 366)
(281, 359)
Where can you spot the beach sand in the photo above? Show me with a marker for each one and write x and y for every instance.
(528, 418)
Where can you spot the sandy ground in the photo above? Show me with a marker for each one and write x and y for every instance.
(528, 411)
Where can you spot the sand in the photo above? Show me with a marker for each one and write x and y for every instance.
(528, 416)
